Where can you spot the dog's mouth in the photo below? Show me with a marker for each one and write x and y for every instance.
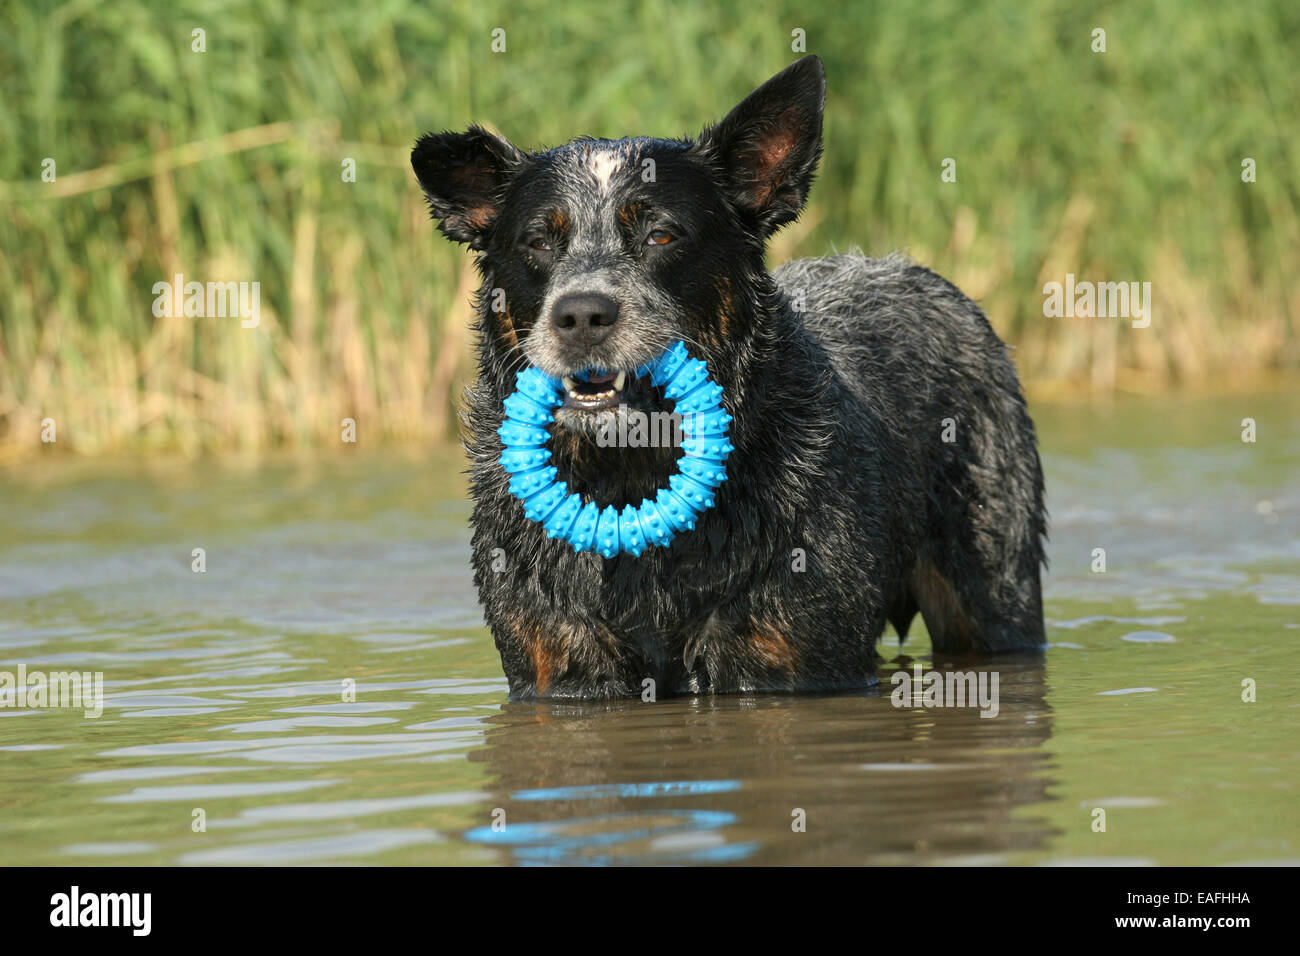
(595, 390)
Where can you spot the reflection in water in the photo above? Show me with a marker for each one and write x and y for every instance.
(714, 780)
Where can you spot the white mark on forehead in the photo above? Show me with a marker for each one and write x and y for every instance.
(603, 164)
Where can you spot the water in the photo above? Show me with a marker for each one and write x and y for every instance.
(225, 691)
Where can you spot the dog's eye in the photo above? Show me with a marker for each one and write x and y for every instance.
(660, 237)
(541, 245)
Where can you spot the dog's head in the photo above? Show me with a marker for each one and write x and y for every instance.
(600, 253)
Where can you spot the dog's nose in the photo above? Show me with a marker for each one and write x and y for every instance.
(584, 318)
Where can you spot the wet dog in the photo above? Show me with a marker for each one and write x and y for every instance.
(884, 465)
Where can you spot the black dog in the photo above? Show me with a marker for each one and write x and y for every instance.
(884, 459)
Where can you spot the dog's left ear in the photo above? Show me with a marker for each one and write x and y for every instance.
(768, 146)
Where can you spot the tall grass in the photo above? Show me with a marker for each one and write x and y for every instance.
(226, 165)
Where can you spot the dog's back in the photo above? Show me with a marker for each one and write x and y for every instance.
(920, 358)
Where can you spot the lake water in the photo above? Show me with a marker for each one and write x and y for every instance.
(225, 692)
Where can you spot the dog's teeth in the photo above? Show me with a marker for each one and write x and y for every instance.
(620, 381)
(569, 384)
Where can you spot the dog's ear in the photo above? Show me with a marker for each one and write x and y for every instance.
(463, 175)
(768, 146)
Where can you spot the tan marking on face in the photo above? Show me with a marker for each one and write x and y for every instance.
(630, 213)
(506, 327)
(558, 220)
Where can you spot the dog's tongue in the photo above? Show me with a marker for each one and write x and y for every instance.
(605, 379)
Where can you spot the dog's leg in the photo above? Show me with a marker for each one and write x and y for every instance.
(769, 647)
(951, 629)
(549, 659)
(977, 580)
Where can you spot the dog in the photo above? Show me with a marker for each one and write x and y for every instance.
(884, 459)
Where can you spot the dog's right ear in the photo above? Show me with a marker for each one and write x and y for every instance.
(463, 176)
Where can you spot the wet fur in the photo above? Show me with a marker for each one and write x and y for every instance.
(840, 412)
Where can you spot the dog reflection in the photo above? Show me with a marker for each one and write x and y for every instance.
(845, 779)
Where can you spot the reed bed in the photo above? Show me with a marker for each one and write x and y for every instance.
(228, 165)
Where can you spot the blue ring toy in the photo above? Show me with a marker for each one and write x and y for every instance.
(653, 523)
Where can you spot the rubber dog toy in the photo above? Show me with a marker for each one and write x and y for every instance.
(653, 523)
